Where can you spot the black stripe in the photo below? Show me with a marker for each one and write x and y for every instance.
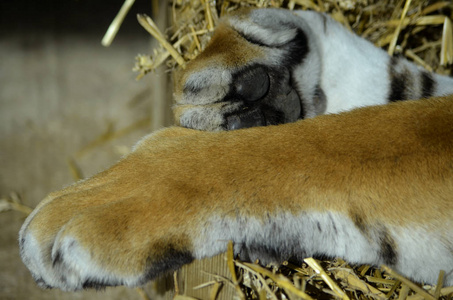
(252, 40)
(41, 283)
(333, 224)
(268, 253)
(398, 81)
(319, 226)
(388, 249)
(190, 89)
(324, 22)
(298, 49)
(359, 222)
(98, 285)
(57, 259)
(171, 261)
(428, 84)
(320, 100)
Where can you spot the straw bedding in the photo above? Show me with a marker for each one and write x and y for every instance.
(420, 30)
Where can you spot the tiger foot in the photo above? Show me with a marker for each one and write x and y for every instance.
(372, 186)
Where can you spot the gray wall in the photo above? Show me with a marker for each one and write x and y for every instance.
(59, 91)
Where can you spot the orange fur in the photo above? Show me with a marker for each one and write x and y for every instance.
(388, 165)
(371, 182)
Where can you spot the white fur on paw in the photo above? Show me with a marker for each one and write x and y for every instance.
(36, 259)
(77, 270)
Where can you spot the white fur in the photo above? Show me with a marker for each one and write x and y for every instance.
(212, 84)
(353, 71)
(75, 267)
(78, 266)
(208, 116)
(350, 70)
(444, 86)
(421, 253)
(35, 258)
(267, 30)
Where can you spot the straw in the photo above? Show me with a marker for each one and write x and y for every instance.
(116, 23)
(152, 28)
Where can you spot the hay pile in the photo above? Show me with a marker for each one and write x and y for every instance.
(329, 280)
(319, 280)
(420, 30)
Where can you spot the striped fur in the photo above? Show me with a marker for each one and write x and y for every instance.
(373, 185)
(301, 63)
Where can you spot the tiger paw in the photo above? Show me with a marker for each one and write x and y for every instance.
(97, 249)
(110, 229)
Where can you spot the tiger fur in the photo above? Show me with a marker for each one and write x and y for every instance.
(373, 185)
(274, 66)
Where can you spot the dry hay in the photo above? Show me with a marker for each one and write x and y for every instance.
(419, 30)
(315, 279)
(14, 202)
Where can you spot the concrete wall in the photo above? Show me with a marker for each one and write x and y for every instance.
(59, 91)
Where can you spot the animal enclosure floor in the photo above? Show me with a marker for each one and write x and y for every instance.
(60, 90)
